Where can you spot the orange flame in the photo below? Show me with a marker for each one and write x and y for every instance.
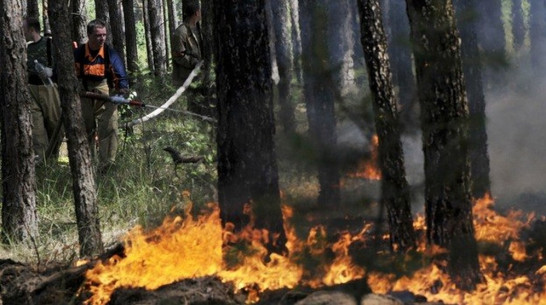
(369, 169)
(498, 288)
(188, 247)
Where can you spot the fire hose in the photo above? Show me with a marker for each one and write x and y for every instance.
(120, 100)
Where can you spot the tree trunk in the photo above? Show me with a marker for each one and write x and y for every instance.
(158, 36)
(341, 40)
(32, 9)
(247, 170)
(320, 92)
(491, 38)
(148, 35)
(208, 49)
(444, 120)
(83, 183)
(518, 24)
(45, 17)
(400, 54)
(538, 35)
(168, 33)
(130, 35)
(173, 16)
(479, 157)
(116, 25)
(79, 21)
(296, 39)
(283, 50)
(394, 187)
(19, 219)
(102, 12)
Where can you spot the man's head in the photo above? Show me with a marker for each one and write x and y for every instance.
(32, 28)
(192, 12)
(96, 32)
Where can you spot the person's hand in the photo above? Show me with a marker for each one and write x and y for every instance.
(45, 73)
(125, 92)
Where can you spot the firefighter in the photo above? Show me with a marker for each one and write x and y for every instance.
(100, 69)
(186, 49)
(46, 108)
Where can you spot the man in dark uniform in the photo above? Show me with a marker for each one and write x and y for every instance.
(46, 108)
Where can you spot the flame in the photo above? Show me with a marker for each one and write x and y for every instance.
(506, 287)
(190, 247)
(369, 169)
(183, 248)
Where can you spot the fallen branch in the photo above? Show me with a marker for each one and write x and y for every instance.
(171, 101)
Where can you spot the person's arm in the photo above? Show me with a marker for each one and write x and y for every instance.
(181, 53)
(117, 71)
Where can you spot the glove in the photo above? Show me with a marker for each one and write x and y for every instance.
(125, 92)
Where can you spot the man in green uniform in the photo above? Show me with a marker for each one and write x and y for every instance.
(46, 108)
(101, 69)
(186, 49)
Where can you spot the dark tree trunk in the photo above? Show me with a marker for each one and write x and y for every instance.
(400, 54)
(491, 39)
(116, 25)
(173, 16)
(518, 24)
(296, 39)
(283, 50)
(158, 36)
(33, 10)
(208, 34)
(444, 120)
(79, 21)
(45, 18)
(320, 92)
(19, 219)
(83, 183)
(479, 156)
(102, 12)
(130, 35)
(394, 187)
(247, 170)
(148, 35)
(538, 35)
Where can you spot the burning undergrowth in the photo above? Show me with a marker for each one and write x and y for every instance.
(188, 247)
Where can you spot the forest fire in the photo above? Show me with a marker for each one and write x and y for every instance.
(369, 168)
(187, 247)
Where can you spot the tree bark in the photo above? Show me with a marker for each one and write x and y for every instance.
(79, 21)
(247, 170)
(79, 154)
(538, 35)
(116, 26)
(282, 28)
(479, 156)
(158, 36)
(173, 16)
(394, 187)
(167, 37)
(32, 9)
(208, 34)
(19, 219)
(148, 35)
(102, 12)
(518, 24)
(444, 121)
(130, 35)
(45, 17)
(320, 92)
(400, 54)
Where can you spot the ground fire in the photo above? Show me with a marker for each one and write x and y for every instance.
(190, 247)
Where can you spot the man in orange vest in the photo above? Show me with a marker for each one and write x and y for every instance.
(101, 70)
